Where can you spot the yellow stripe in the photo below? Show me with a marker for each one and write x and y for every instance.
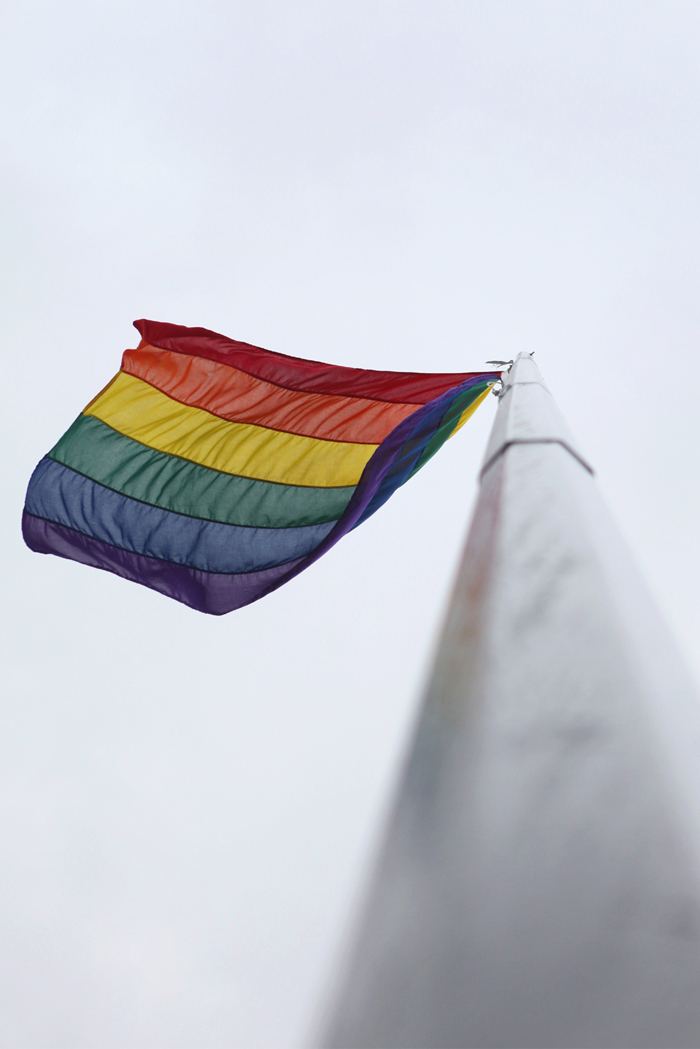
(468, 412)
(138, 410)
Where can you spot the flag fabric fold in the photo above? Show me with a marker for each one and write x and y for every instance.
(214, 471)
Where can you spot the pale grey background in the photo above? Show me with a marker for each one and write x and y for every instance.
(187, 803)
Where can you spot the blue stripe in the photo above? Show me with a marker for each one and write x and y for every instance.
(59, 494)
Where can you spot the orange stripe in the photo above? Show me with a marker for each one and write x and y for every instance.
(239, 397)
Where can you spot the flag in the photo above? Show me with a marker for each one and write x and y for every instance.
(214, 471)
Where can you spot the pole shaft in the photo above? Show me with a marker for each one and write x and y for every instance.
(539, 882)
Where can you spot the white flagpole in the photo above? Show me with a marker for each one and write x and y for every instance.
(539, 882)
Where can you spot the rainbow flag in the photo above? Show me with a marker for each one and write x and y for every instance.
(214, 471)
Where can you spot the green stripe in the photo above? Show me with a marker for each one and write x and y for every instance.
(118, 462)
(448, 423)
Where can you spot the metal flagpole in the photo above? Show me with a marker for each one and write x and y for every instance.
(539, 882)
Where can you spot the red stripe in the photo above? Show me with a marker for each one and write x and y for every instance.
(295, 373)
(239, 397)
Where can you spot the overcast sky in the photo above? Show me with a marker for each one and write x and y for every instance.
(188, 804)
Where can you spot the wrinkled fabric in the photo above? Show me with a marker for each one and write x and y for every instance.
(214, 471)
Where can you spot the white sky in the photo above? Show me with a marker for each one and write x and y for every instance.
(187, 804)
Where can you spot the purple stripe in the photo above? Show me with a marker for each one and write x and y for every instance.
(210, 592)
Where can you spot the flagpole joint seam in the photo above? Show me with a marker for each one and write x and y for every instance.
(534, 440)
